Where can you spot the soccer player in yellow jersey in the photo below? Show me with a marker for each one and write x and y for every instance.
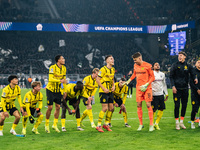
(90, 86)
(105, 81)
(9, 94)
(119, 101)
(57, 75)
(71, 92)
(30, 101)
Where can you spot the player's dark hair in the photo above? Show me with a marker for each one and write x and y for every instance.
(79, 85)
(154, 64)
(11, 77)
(107, 56)
(57, 58)
(182, 52)
(136, 55)
(123, 79)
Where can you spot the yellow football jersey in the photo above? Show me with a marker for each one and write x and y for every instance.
(90, 85)
(30, 101)
(69, 89)
(107, 77)
(8, 97)
(55, 75)
(119, 91)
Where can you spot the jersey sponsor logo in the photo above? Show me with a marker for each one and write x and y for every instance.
(140, 72)
(110, 76)
(58, 75)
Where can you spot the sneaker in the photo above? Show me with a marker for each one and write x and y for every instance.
(82, 124)
(107, 127)
(13, 132)
(192, 126)
(197, 121)
(127, 125)
(151, 128)
(93, 126)
(1, 133)
(99, 129)
(130, 96)
(24, 131)
(47, 129)
(56, 129)
(182, 126)
(177, 126)
(80, 129)
(110, 125)
(127, 96)
(34, 130)
(63, 129)
(140, 127)
(156, 127)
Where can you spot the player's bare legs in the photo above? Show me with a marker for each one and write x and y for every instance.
(16, 121)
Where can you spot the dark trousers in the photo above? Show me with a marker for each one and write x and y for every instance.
(180, 96)
(130, 88)
(195, 100)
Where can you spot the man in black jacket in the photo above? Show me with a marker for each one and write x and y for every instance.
(195, 94)
(179, 77)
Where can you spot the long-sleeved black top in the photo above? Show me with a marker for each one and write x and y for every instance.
(195, 87)
(179, 75)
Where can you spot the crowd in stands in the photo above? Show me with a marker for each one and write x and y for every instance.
(139, 12)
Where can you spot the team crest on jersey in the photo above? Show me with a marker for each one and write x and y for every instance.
(142, 68)
(185, 68)
(26, 99)
(104, 100)
(51, 71)
(193, 102)
(175, 98)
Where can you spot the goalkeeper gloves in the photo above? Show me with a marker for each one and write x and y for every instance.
(31, 120)
(143, 88)
(127, 82)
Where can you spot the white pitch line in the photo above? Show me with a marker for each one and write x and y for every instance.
(111, 119)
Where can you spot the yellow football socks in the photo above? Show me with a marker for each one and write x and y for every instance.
(38, 122)
(78, 122)
(55, 121)
(47, 122)
(108, 117)
(24, 121)
(85, 113)
(125, 117)
(101, 114)
(159, 116)
(14, 126)
(63, 122)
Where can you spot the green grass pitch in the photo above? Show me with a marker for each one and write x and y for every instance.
(119, 138)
